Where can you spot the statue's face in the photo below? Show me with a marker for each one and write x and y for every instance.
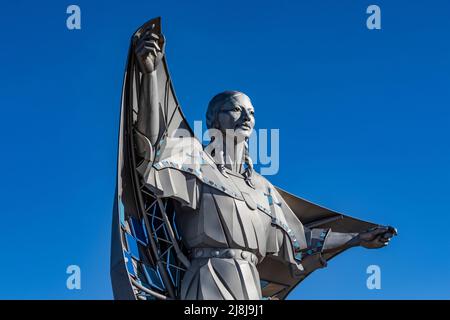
(237, 114)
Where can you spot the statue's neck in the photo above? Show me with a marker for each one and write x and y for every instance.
(233, 153)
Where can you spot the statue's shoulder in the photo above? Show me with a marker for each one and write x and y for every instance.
(186, 156)
(261, 182)
(185, 153)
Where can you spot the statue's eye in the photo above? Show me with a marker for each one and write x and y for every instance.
(252, 113)
(236, 109)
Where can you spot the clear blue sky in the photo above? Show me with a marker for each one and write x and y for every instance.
(363, 116)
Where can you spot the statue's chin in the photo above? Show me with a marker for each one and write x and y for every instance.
(243, 133)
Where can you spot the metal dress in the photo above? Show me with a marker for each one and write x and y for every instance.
(182, 229)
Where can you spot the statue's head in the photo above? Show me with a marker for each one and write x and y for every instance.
(231, 110)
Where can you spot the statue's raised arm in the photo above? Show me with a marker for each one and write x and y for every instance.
(144, 264)
(149, 51)
(154, 101)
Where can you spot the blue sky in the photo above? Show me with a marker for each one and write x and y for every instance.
(363, 117)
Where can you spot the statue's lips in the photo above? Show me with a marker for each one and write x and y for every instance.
(244, 127)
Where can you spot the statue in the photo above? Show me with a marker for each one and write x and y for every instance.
(195, 222)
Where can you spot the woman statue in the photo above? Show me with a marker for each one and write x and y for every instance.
(233, 224)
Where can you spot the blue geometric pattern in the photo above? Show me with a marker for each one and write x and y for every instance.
(136, 248)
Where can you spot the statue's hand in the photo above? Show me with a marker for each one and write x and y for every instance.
(377, 237)
(149, 49)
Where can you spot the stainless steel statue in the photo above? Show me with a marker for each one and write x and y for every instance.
(194, 222)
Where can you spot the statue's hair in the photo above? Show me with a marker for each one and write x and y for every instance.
(248, 173)
(216, 104)
(214, 107)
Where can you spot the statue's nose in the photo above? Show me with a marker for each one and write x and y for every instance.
(246, 114)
